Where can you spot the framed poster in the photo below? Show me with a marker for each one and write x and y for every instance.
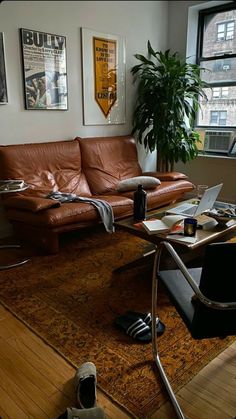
(44, 70)
(103, 58)
(3, 81)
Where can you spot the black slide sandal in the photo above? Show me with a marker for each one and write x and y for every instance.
(147, 318)
(135, 327)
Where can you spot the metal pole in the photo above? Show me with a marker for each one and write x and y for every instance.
(164, 378)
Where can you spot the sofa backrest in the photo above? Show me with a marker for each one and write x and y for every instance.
(45, 167)
(107, 160)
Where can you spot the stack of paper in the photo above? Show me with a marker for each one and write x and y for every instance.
(180, 238)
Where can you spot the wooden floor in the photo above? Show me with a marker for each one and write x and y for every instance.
(35, 382)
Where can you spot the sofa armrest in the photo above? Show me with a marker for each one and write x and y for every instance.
(166, 175)
(30, 203)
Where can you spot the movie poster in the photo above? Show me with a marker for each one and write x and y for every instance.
(45, 73)
(103, 78)
(3, 82)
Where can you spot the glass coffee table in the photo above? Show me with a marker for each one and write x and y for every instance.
(188, 251)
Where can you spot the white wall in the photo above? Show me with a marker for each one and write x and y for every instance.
(211, 171)
(203, 170)
(136, 21)
(165, 24)
(178, 24)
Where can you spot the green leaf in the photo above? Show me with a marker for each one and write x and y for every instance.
(168, 89)
(150, 50)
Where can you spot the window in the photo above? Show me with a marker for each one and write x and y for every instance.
(214, 117)
(222, 117)
(225, 31)
(220, 92)
(216, 54)
(224, 92)
(216, 92)
(218, 117)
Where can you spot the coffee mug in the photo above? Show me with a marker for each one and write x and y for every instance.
(190, 227)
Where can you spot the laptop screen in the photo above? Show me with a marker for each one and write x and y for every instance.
(208, 199)
(206, 203)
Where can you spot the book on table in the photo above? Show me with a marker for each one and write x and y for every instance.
(167, 224)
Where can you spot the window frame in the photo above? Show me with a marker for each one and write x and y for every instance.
(232, 151)
(200, 58)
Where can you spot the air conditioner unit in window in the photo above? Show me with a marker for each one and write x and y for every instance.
(218, 141)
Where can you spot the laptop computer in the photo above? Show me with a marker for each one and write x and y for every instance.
(206, 203)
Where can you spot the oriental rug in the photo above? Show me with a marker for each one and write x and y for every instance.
(71, 300)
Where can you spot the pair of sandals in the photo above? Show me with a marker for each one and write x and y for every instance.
(139, 325)
(85, 387)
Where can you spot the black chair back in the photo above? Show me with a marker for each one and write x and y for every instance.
(214, 286)
(218, 283)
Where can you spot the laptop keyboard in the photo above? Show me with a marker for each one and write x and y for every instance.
(186, 209)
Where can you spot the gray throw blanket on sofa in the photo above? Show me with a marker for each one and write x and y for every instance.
(104, 208)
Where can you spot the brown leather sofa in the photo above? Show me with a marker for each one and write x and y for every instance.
(88, 167)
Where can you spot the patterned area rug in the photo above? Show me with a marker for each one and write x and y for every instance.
(71, 300)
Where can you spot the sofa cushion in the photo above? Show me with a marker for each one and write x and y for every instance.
(165, 193)
(107, 160)
(66, 214)
(45, 167)
(131, 184)
(30, 203)
(167, 175)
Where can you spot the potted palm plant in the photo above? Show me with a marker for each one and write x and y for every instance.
(167, 103)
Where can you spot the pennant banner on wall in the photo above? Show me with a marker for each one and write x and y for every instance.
(105, 77)
(103, 59)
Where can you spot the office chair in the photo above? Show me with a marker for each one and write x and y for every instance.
(202, 296)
